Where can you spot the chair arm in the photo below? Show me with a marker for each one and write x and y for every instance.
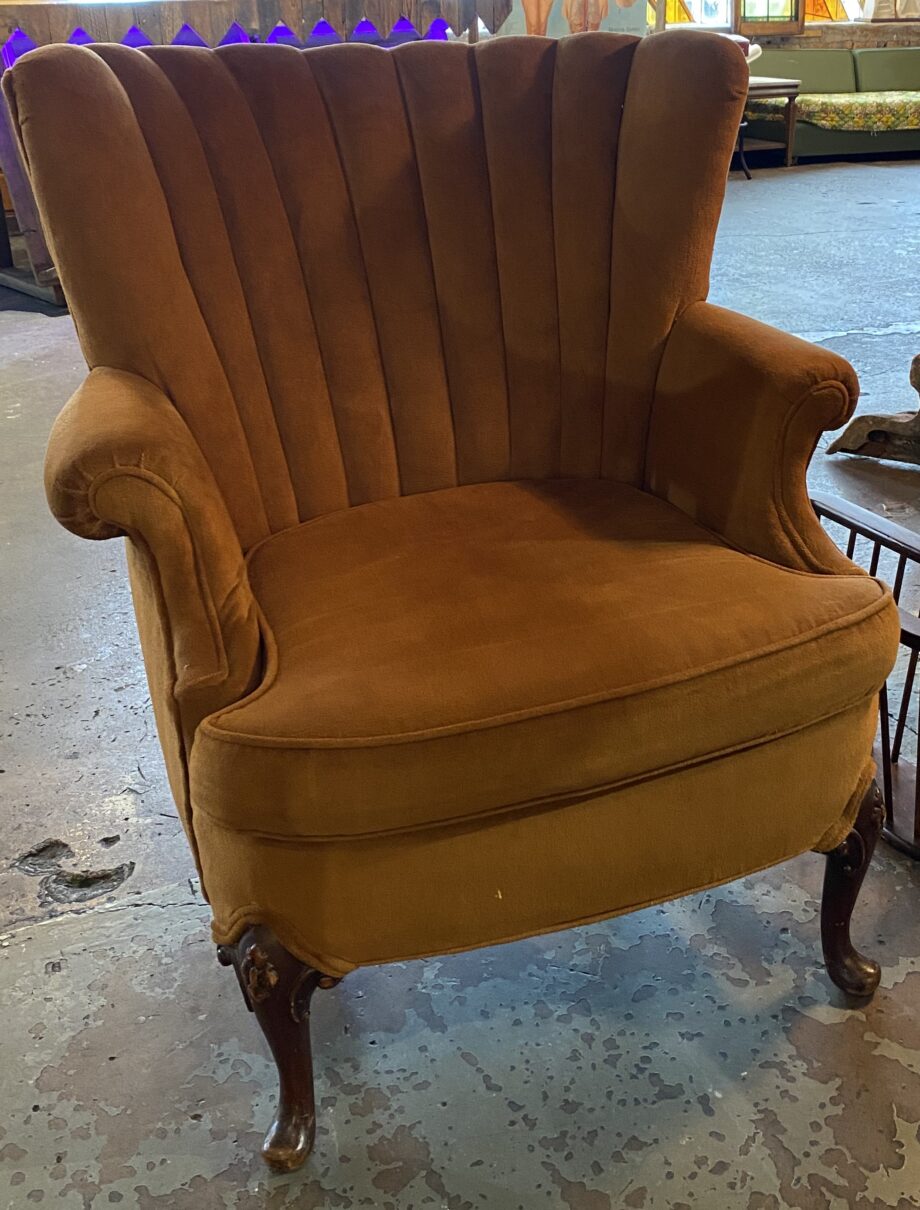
(738, 411)
(121, 461)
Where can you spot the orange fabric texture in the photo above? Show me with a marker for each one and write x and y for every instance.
(464, 532)
(508, 642)
(346, 903)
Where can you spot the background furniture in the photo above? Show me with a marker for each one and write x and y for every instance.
(477, 582)
(849, 101)
(776, 88)
(38, 276)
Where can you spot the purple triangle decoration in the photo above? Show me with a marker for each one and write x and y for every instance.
(235, 33)
(283, 34)
(323, 34)
(187, 36)
(437, 30)
(403, 31)
(136, 37)
(366, 31)
(16, 46)
(79, 37)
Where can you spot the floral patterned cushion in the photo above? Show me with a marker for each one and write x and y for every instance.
(846, 110)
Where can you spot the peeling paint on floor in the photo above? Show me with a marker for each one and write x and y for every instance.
(691, 1055)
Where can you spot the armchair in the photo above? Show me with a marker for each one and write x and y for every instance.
(477, 583)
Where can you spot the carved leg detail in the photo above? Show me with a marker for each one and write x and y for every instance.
(843, 876)
(278, 987)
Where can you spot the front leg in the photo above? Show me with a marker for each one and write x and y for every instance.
(278, 987)
(843, 877)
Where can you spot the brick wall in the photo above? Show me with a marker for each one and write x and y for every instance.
(849, 35)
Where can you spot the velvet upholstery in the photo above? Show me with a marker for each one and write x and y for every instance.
(476, 578)
(352, 732)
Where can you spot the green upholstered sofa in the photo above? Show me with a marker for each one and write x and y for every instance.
(851, 100)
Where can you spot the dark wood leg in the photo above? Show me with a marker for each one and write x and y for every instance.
(740, 150)
(278, 988)
(843, 877)
(791, 114)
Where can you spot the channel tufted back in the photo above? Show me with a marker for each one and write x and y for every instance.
(361, 273)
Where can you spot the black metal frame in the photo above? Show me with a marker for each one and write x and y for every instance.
(900, 783)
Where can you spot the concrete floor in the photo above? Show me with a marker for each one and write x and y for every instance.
(687, 1056)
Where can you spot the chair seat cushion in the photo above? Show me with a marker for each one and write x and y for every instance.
(511, 646)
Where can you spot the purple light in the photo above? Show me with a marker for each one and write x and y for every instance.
(283, 35)
(136, 37)
(366, 31)
(403, 31)
(437, 30)
(79, 37)
(323, 34)
(234, 34)
(188, 37)
(16, 46)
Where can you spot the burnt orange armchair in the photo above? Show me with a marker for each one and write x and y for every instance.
(476, 579)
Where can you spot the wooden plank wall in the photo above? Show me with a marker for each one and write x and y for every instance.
(49, 21)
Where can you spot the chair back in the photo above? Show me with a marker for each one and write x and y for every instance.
(360, 272)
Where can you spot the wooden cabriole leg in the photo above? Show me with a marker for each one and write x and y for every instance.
(843, 877)
(278, 988)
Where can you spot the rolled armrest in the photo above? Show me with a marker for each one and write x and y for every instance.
(738, 411)
(122, 461)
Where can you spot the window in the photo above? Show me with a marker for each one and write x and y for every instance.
(716, 14)
(833, 10)
(771, 16)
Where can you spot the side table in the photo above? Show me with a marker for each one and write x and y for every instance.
(762, 87)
